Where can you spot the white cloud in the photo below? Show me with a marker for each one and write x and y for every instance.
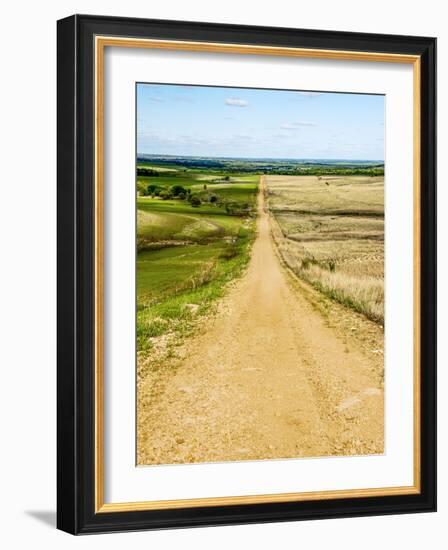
(183, 99)
(309, 94)
(236, 102)
(296, 125)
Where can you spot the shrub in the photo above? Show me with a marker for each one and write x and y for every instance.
(141, 189)
(165, 194)
(229, 252)
(195, 201)
(237, 208)
(308, 261)
(176, 190)
(153, 189)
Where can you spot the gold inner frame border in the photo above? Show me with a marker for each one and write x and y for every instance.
(101, 42)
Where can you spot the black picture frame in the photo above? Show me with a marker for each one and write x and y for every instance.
(76, 272)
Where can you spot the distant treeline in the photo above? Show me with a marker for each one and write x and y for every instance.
(236, 166)
(147, 172)
(188, 162)
(333, 171)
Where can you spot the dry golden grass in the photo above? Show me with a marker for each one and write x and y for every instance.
(333, 236)
(360, 195)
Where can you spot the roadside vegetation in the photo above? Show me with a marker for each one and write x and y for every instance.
(330, 232)
(194, 233)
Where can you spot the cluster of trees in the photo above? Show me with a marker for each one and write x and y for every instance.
(175, 192)
(179, 192)
(235, 208)
(196, 199)
(147, 172)
(192, 162)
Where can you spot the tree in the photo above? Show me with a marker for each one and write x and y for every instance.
(195, 201)
(176, 190)
(153, 189)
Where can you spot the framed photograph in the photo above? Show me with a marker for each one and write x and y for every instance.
(246, 274)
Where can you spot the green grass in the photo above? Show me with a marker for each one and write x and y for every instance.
(238, 192)
(167, 181)
(172, 280)
(165, 271)
(239, 184)
(162, 221)
(176, 207)
(186, 255)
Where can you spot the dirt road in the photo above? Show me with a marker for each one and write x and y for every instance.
(275, 374)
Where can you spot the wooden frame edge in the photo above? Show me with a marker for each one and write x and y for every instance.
(100, 507)
(255, 499)
(417, 270)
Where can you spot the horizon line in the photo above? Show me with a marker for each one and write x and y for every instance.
(258, 158)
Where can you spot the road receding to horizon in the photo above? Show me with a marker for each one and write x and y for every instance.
(275, 373)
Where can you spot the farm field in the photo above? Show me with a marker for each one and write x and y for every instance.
(330, 232)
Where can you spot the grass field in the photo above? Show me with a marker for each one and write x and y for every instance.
(329, 230)
(331, 233)
(215, 181)
(186, 254)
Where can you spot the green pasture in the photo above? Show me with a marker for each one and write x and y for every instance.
(196, 179)
(238, 192)
(187, 254)
(165, 271)
(176, 206)
(176, 285)
(161, 220)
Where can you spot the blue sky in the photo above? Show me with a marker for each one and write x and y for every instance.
(238, 122)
